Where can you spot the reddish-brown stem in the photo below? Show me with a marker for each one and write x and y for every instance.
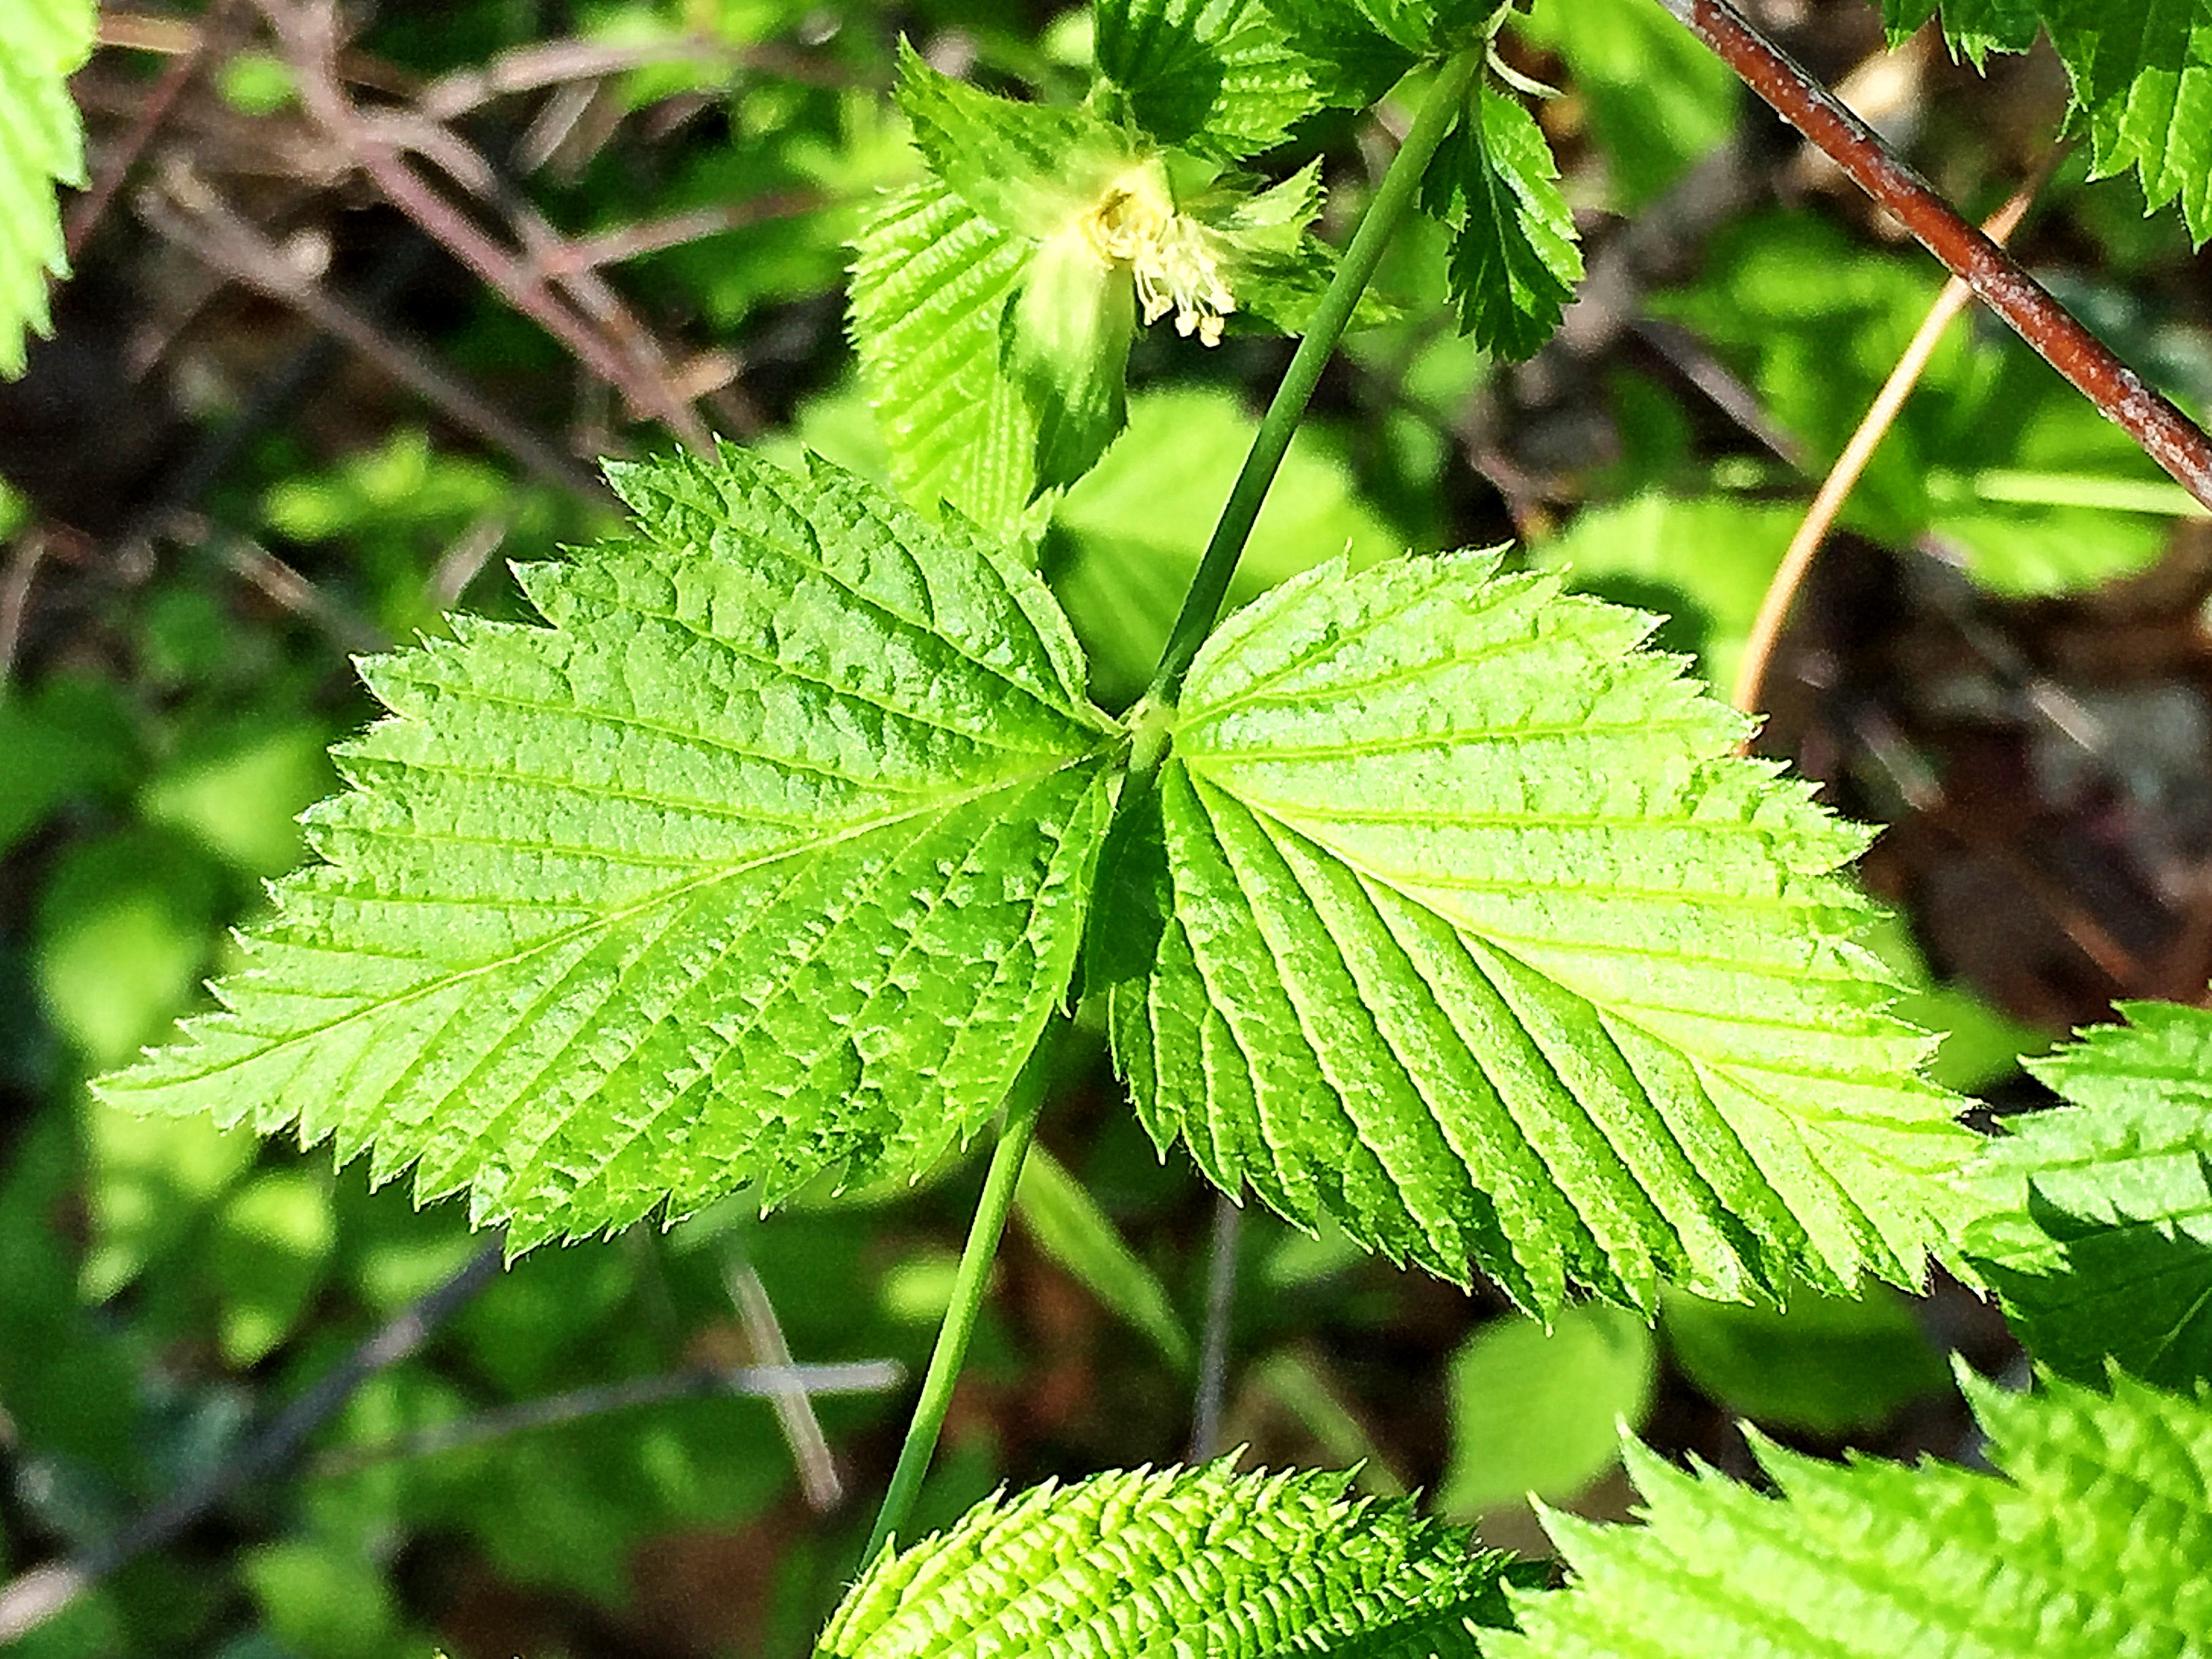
(2167, 436)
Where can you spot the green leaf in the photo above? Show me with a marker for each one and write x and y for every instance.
(1219, 77)
(2141, 71)
(2141, 75)
(1125, 541)
(1478, 942)
(1350, 62)
(1704, 562)
(1182, 1561)
(1818, 323)
(1514, 258)
(932, 280)
(1973, 27)
(41, 145)
(2099, 1238)
(690, 888)
(1423, 28)
(1824, 1364)
(2092, 1542)
(1658, 99)
(1068, 351)
(272, 1247)
(1026, 167)
(1071, 1229)
(1541, 1412)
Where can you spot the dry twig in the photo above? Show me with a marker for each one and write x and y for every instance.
(189, 213)
(1797, 563)
(606, 341)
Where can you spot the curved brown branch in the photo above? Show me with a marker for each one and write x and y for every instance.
(1797, 563)
(2168, 436)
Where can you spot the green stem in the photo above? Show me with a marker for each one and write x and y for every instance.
(1201, 608)
(1024, 1102)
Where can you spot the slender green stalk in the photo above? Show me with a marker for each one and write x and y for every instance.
(1024, 1102)
(1201, 608)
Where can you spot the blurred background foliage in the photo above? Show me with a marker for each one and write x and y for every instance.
(261, 1410)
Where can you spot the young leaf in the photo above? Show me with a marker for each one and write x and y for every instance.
(1218, 77)
(41, 145)
(932, 280)
(1476, 941)
(1133, 1564)
(768, 856)
(2100, 1239)
(1021, 165)
(2095, 1545)
(1514, 260)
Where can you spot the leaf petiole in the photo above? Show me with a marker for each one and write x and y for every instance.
(1024, 1102)
(1440, 108)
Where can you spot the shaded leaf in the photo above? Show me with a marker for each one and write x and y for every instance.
(2099, 1238)
(1823, 1364)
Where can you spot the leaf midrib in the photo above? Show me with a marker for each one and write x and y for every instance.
(606, 922)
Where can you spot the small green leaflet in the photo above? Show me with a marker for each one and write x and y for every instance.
(2142, 74)
(768, 857)
(931, 283)
(993, 304)
(2092, 1542)
(1658, 99)
(1451, 919)
(1138, 1564)
(1514, 258)
(1974, 28)
(2099, 1240)
(41, 145)
(1219, 77)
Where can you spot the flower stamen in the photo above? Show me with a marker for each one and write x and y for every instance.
(1170, 256)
